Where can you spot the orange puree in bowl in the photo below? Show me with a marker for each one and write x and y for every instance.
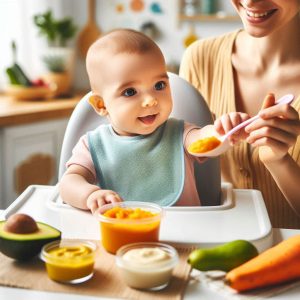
(127, 225)
(204, 145)
(128, 213)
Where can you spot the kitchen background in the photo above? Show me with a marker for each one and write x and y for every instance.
(32, 129)
(16, 23)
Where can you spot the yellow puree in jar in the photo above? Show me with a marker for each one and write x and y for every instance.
(204, 145)
(69, 262)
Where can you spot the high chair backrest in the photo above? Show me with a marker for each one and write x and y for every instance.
(188, 104)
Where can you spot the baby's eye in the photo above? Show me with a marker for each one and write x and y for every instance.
(129, 92)
(160, 85)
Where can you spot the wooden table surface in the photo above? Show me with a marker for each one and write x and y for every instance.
(17, 112)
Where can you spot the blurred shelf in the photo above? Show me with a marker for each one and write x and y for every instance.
(209, 18)
(16, 112)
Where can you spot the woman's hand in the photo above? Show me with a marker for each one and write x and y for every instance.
(101, 197)
(227, 121)
(275, 132)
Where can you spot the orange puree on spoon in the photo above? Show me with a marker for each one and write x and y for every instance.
(204, 145)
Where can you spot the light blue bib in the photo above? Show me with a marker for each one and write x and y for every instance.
(141, 168)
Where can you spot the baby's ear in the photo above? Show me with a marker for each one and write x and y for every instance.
(98, 105)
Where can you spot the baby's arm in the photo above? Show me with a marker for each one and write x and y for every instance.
(77, 188)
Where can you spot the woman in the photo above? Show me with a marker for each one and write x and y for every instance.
(235, 72)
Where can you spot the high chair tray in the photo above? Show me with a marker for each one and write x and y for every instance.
(241, 215)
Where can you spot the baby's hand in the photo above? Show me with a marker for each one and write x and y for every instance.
(101, 197)
(227, 121)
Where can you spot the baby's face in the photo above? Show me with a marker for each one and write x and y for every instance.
(136, 92)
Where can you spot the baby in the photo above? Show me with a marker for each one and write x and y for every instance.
(141, 155)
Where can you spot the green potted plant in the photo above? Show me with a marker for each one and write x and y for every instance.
(59, 56)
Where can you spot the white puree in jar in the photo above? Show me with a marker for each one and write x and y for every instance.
(147, 268)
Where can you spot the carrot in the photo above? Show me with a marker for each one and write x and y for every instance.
(278, 264)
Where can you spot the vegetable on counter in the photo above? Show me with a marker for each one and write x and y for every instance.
(22, 238)
(15, 73)
(276, 265)
(224, 257)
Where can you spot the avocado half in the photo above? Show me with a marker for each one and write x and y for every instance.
(26, 245)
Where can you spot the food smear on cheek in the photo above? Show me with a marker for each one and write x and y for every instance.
(204, 145)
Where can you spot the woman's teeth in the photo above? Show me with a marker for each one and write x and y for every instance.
(258, 15)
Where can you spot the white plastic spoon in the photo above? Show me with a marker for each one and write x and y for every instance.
(209, 131)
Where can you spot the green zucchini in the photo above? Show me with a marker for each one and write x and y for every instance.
(21, 76)
(12, 77)
(15, 73)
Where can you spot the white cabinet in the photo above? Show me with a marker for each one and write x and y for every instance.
(29, 154)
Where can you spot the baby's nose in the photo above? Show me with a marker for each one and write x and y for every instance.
(149, 101)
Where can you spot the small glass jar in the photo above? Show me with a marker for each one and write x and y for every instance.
(69, 261)
(190, 7)
(208, 7)
(116, 232)
(147, 266)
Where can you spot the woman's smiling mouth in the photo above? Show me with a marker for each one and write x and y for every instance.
(148, 120)
(258, 15)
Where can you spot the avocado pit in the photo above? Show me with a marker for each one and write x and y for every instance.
(20, 224)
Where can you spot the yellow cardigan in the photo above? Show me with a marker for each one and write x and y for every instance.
(207, 65)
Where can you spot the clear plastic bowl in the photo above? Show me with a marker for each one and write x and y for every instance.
(118, 232)
(69, 261)
(147, 273)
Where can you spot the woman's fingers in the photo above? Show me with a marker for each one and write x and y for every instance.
(268, 101)
(289, 126)
(282, 110)
(266, 135)
(270, 149)
(275, 131)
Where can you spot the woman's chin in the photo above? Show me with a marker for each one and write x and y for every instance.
(256, 32)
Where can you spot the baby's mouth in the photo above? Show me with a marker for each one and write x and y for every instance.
(148, 119)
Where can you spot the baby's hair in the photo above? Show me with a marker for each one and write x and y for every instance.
(125, 41)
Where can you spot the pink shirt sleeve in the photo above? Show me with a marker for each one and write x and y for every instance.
(189, 196)
(81, 156)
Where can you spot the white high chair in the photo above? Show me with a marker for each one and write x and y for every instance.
(188, 104)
